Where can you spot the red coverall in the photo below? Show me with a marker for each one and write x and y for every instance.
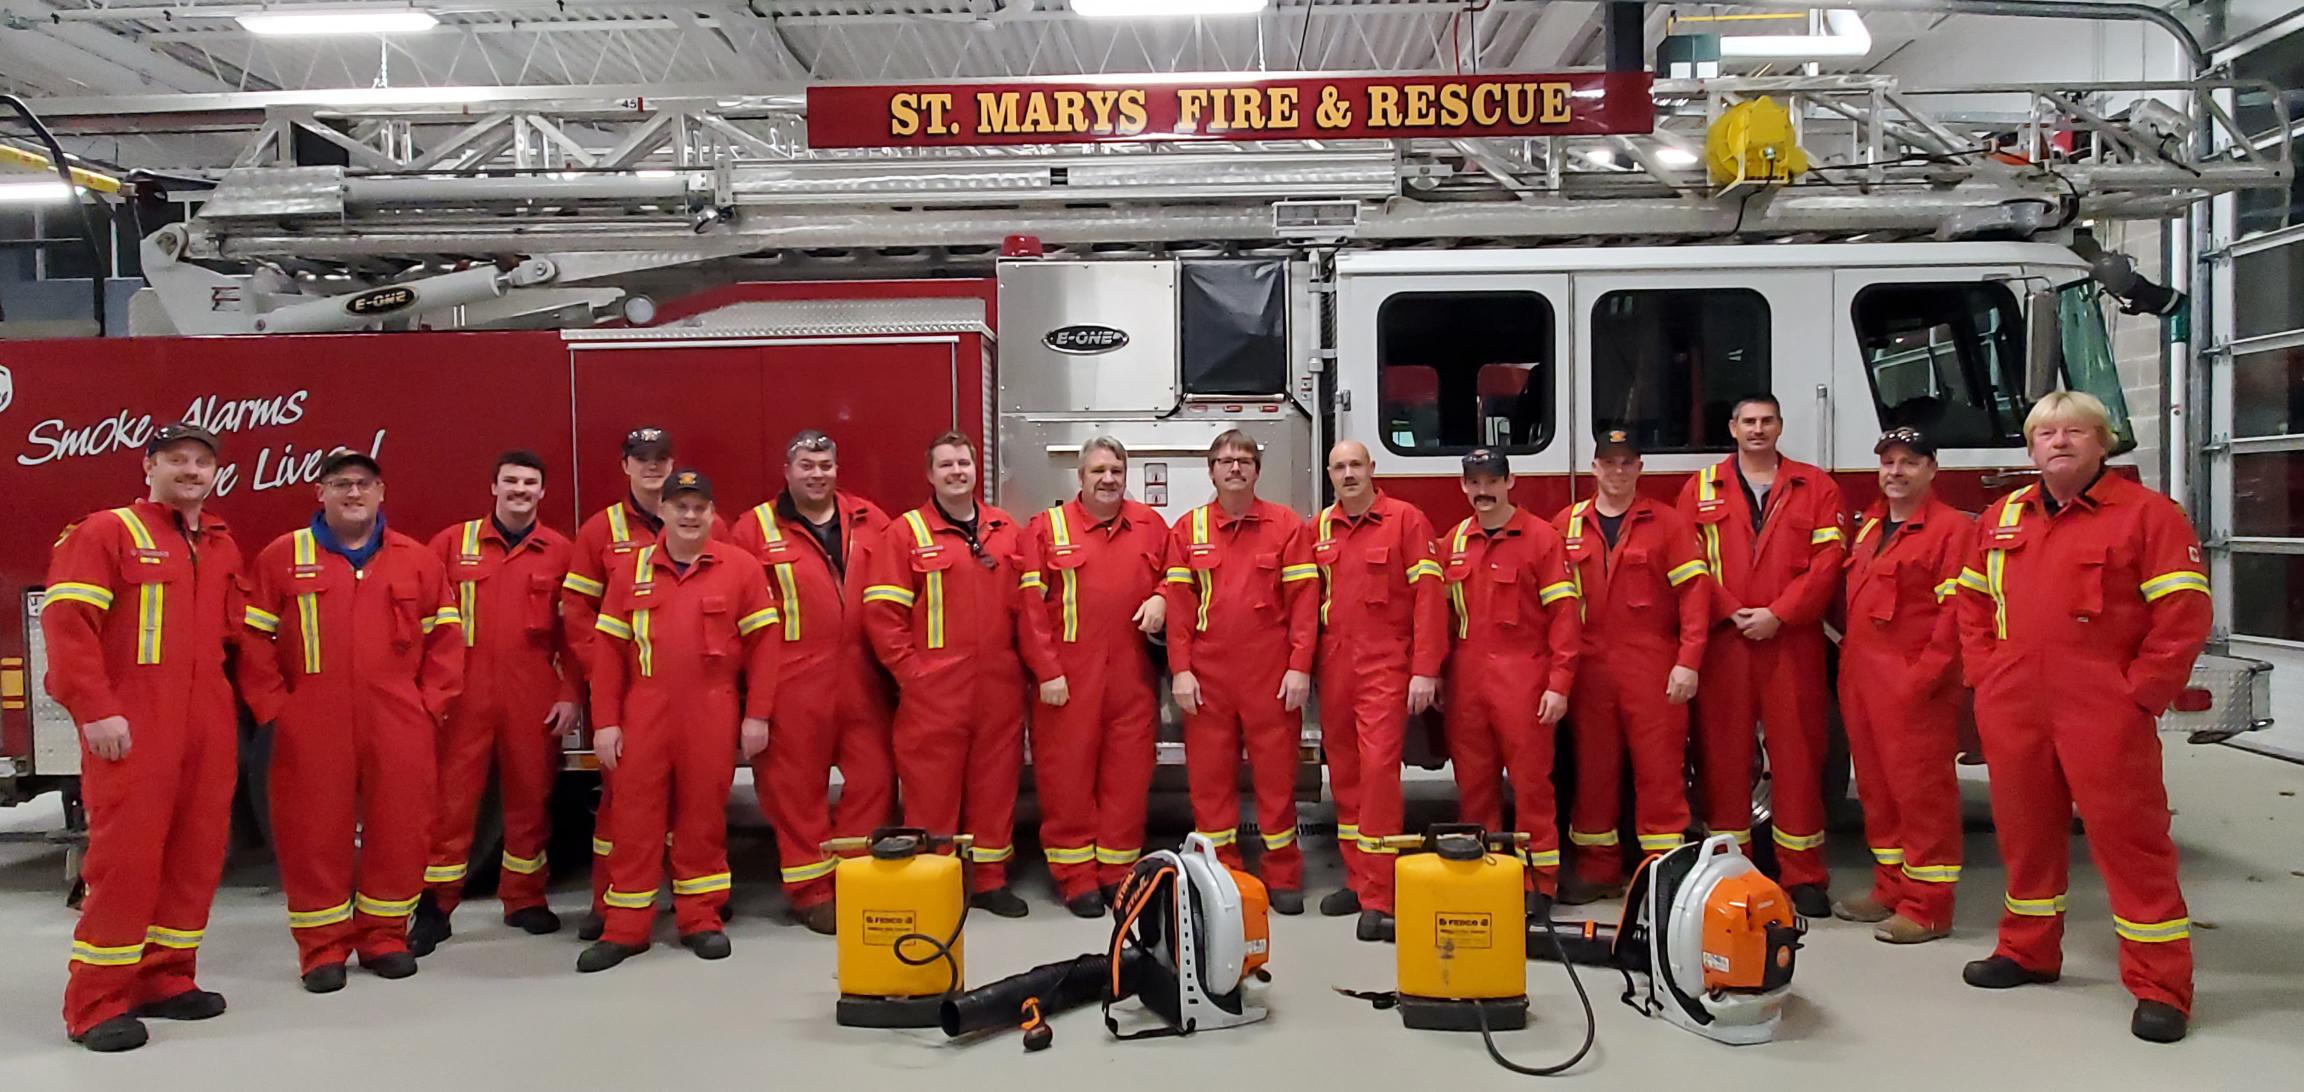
(611, 536)
(1240, 617)
(1790, 565)
(944, 618)
(1092, 757)
(685, 645)
(2078, 631)
(514, 647)
(1514, 606)
(1383, 619)
(841, 717)
(363, 668)
(1647, 609)
(159, 819)
(1900, 699)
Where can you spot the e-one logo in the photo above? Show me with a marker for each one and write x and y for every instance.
(381, 301)
(7, 388)
(1085, 340)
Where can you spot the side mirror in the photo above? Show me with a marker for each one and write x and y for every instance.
(2043, 344)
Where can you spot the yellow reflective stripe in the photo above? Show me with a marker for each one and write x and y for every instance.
(806, 872)
(313, 919)
(136, 529)
(1290, 574)
(1221, 838)
(1658, 843)
(1458, 543)
(757, 620)
(181, 939)
(630, 900)
(443, 873)
(602, 847)
(1798, 841)
(2152, 932)
(307, 553)
(2034, 908)
(1580, 838)
(1541, 858)
(1374, 846)
(1933, 873)
(919, 525)
(468, 591)
(888, 593)
(2167, 584)
(1423, 569)
(1708, 488)
(1071, 594)
(1974, 581)
(1059, 528)
(583, 585)
(1281, 840)
(1944, 590)
(1865, 531)
(787, 585)
(613, 626)
(1181, 575)
(151, 613)
(1685, 573)
(445, 616)
(384, 908)
(1996, 563)
(643, 640)
(1118, 856)
(701, 885)
(935, 610)
(526, 866)
(1554, 593)
(1823, 535)
(1887, 856)
(989, 855)
(1071, 855)
(1328, 577)
(1743, 835)
(619, 530)
(91, 594)
(1711, 536)
(765, 515)
(126, 955)
(1031, 581)
(1207, 578)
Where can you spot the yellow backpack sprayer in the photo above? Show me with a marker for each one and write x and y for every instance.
(902, 910)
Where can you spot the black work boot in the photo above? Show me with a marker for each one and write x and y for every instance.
(1285, 901)
(190, 1005)
(1577, 891)
(592, 926)
(2158, 1022)
(1374, 925)
(427, 927)
(1090, 905)
(536, 921)
(822, 918)
(1000, 901)
(605, 954)
(390, 965)
(2002, 973)
(1811, 901)
(122, 1032)
(708, 945)
(326, 978)
(1339, 903)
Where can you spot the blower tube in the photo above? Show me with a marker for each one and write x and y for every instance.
(1001, 1005)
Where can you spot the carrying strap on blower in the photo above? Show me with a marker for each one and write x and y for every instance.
(1129, 949)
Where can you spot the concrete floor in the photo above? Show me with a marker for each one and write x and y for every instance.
(495, 1009)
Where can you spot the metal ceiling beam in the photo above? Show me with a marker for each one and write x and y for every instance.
(108, 48)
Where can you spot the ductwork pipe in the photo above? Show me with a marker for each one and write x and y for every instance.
(1845, 39)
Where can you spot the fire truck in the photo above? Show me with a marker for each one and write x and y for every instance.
(1423, 300)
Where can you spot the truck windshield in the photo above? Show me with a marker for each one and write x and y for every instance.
(2088, 363)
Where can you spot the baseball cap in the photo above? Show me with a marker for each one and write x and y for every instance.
(181, 430)
(1488, 461)
(647, 440)
(342, 459)
(1908, 436)
(1614, 439)
(688, 481)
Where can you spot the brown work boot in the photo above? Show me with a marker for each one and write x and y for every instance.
(1863, 908)
(1578, 891)
(822, 918)
(1903, 930)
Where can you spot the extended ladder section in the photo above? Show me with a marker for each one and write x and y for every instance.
(607, 188)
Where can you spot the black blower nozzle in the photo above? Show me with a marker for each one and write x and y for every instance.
(1000, 1006)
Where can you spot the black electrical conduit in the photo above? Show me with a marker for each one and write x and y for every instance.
(71, 190)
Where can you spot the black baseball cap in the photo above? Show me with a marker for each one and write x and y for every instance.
(1487, 461)
(181, 430)
(688, 481)
(342, 459)
(1614, 439)
(1910, 437)
(646, 441)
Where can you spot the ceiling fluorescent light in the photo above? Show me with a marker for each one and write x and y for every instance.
(1147, 9)
(1675, 157)
(33, 192)
(382, 21)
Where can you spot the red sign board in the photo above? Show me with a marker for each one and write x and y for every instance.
(1228, 108)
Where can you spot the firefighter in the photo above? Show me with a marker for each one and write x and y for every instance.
(141, 604)
(1899, 692)
(1094, 566)
(2084, 604)
(1383, 636)
(1243, 626)
(518, 701)
(1517, 632)
(366, 656)
(1770, 529)
(684, 680)
(942, 612)
(815, 541)
(1647, 606)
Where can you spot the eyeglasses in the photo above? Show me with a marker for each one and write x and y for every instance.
(1234, 460)
(352, 485)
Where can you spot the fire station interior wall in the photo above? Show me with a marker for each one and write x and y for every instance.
(731, 408)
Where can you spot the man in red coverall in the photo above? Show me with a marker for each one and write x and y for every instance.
(366, 657)
(141, 602)
(943, 614)
(684, 679)
(1899, 692)
(1516, 635)
(1647, 612)
(815, 541)
(2084, 604)
(1094, 563)
(1243, 623)
(1770, 528)
(519, 699)
(1383, 636)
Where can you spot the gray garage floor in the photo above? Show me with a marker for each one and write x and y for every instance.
(498, 1010)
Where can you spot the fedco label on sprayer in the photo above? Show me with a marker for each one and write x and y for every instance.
(1464, 931)
(883, 927)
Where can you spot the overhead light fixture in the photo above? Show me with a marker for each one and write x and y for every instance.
(34, 191)
(1604, 157)
(1675, 157)
(1147, 9)
(340, 21)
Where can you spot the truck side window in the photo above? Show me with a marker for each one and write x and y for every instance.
(1946, 357)
(1668, 364)
(1462, 370)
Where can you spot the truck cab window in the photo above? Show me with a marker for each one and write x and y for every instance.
(1462, 370)
(1669, 364)
(1947, 358)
